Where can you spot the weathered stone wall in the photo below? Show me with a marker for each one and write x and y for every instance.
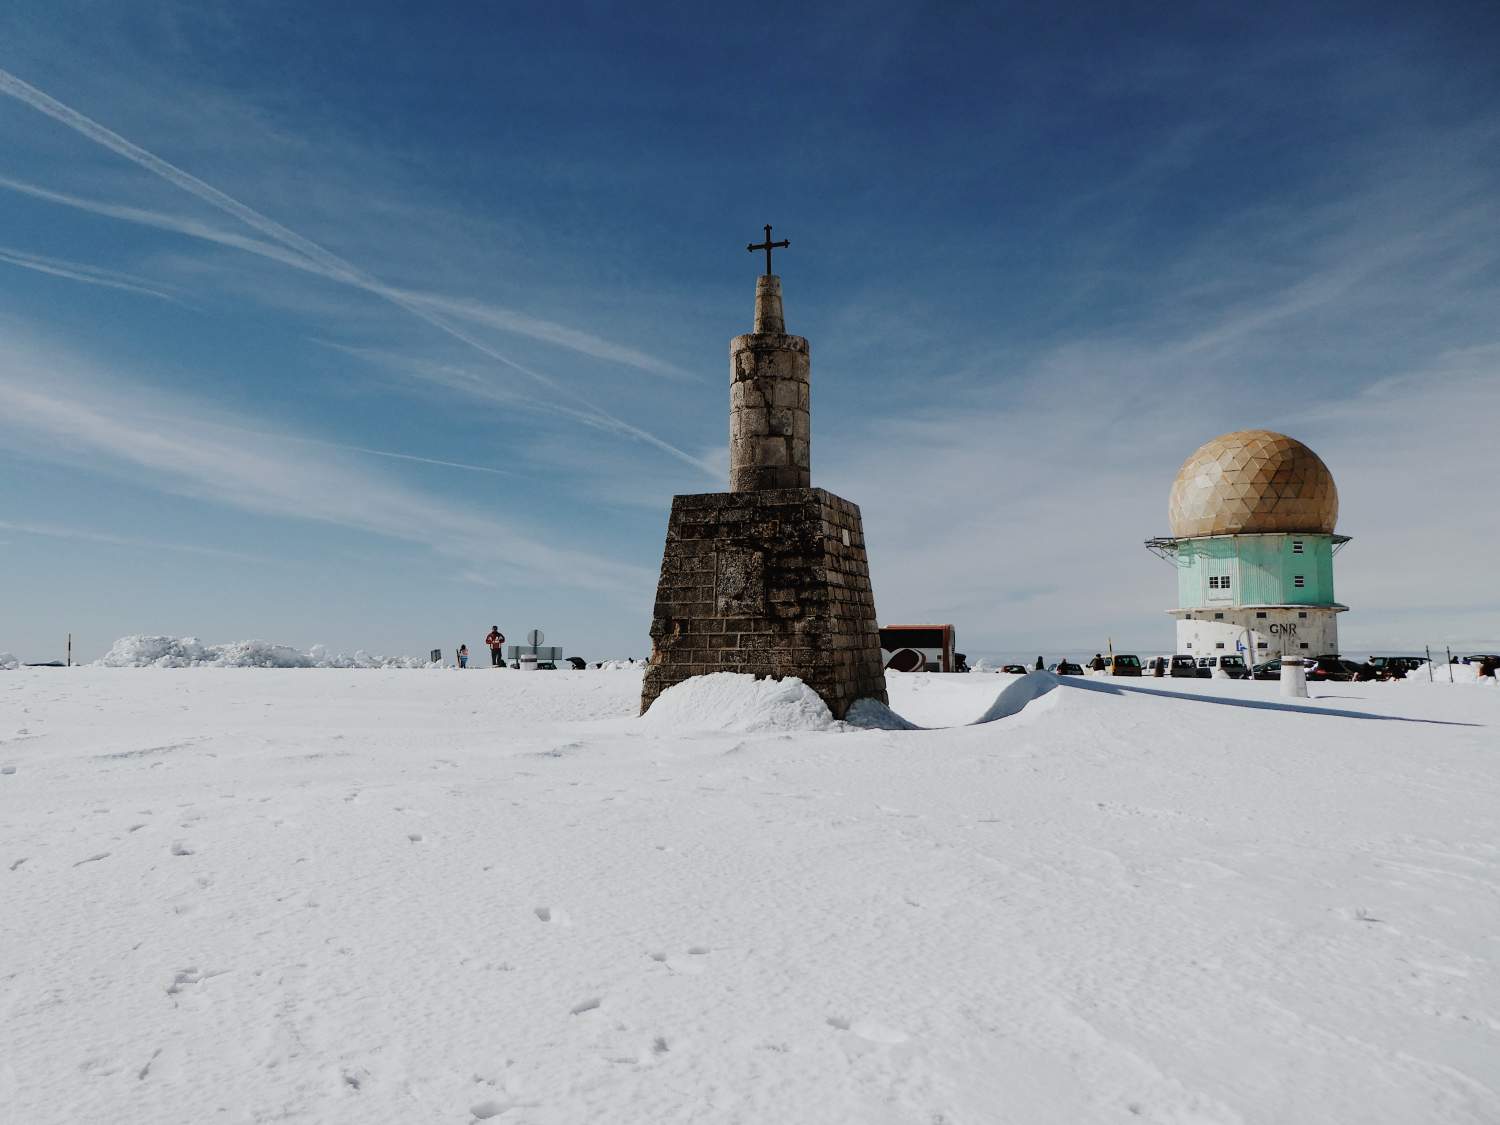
(769, 419)
(773, 583)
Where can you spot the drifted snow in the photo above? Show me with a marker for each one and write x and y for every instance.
(8, 662)
(732, 701)
(354, 896)
(142, 651)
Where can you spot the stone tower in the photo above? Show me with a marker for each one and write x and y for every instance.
(771, 577)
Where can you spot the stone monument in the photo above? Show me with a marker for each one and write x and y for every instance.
(771, 577)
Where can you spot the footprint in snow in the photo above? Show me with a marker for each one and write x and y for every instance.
(688, 966)
(484, 1110)
(868, 1030)
(549, 914)
(586, 1005)
(7, 769)
(179, 848)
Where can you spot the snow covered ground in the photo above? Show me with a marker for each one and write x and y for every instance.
(429, 896)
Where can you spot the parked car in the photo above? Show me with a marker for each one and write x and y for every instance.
(1232, 663)
(1183, 668)
(1395, 667)
(1156, 666)
(1269, 670)
(1337, 669)
(1066, 668)
(1482, 658)
(1016, 669)
(1123, 664)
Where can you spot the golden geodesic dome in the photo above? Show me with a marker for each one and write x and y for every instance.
(1253, 481)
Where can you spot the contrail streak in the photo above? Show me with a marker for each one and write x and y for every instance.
(329, 263)
(77, 271)
(365, 449)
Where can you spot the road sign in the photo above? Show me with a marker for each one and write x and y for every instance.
(1239, 646)
(535, 637)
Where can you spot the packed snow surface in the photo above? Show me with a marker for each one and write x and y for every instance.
(422, 896)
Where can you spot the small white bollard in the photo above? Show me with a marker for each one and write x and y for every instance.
(1293, 677)
(527, 660)
(1222, 674)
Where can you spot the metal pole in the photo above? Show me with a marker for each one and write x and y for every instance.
(1450, 663)
(70, 650)
(1429, 664)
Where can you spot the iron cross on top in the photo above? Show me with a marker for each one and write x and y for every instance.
(767, 245)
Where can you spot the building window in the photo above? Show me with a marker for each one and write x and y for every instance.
(1299, 582)
(1218, 644)
(1296, 546)
(1260, 613)
(1213, 582)
(1302, 613)
(1260, 644)
(1190, 644)
(1218, 581)
(1303, 645)
(1218, 617)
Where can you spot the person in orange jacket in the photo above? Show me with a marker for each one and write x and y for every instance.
(495, 640)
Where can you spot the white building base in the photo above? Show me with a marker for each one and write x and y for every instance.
(1259, 633)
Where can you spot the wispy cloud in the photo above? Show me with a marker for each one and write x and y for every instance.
(309, 255)
(89, 275)
(80, 413)
(87, 535)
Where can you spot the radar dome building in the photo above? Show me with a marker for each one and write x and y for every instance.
(1252, 517)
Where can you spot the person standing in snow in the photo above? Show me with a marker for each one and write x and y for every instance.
(495, 640)
(1039, 664)
(463, 656)
(1097, 664)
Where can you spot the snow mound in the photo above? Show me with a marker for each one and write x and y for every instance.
(734, 701)
(8, 662)
(622, 665)
(1009, 702)
(1462, 674)
(143, 651)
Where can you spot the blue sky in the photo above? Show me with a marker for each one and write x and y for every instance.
(370, 326)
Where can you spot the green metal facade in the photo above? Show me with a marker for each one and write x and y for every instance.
(1236, 570)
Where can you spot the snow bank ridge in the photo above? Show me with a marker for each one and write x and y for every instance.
(8, 662)
(142, 651)
(735, 701)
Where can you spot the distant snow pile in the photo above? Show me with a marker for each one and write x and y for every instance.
(142, 651)
(1462, 674)
(733, 701)
(8, 662)
(621, 666)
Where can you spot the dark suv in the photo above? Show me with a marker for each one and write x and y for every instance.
(1395, 667)
(1183, 667)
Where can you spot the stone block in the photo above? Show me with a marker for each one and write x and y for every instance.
(781, 588)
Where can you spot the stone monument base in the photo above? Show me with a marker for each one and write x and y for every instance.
(773, 583)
